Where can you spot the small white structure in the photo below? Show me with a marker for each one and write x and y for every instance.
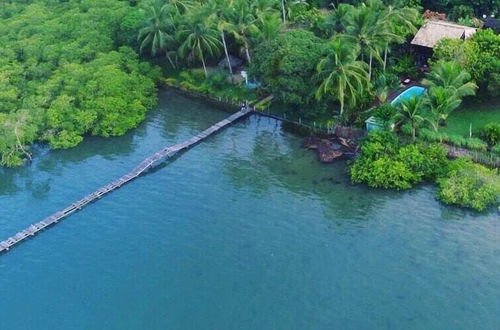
(244, 74)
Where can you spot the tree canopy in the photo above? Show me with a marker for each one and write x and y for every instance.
(288, 65)
(63, 75)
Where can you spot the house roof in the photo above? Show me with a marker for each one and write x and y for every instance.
(434, 31)
(492, 23)
(235, 62)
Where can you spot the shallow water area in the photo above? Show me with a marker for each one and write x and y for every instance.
(244, 231)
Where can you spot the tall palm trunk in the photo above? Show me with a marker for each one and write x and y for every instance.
(385, 56)
(283, 10)
(247, 52)
(370, 68)
(170, 60)
(227, 54)
(204, 65)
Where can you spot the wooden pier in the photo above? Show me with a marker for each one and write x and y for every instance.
(148, 163)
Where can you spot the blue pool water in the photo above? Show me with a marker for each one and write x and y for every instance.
(244, 231)
(414, 91)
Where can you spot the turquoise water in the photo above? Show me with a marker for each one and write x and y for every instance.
(245, 231)
(414, 91)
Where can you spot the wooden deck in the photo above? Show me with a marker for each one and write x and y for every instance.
(149, 162)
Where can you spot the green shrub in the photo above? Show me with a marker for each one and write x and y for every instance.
(384, 163)
(457, 140)
(491, 133)
(405, 67)
(428, 135)
(384, 172)
(385, 114)
(476, 144)
(379, 143)
(217, 81)
(470, 185)
(435, 163)
(496, 149)
(494, 84)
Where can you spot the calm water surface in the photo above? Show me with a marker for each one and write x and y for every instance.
(245, 231)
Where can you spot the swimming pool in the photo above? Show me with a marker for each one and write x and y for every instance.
(414, 91)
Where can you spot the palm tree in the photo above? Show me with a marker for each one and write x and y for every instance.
(157, 35)
(367, 27)
(450, 75)
(200, 37)
(283, 10)
(410, 112)
(181, 6)
(441, 102)
(261, 8)
(337, 20)
(396, 18)
(340, 74)
(220, 11)
(243, 26)
(269, 27)
(382, 84)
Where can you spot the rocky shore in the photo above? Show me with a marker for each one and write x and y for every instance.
(332, 148)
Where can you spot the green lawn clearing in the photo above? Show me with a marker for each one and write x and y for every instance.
(477, 114)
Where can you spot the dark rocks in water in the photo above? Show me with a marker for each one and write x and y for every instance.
(332, 148)
(329, 156)
(311, 142)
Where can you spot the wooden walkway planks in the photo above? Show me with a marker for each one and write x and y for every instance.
(149, 162)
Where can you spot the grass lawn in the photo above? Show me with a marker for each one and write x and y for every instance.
(477, 114)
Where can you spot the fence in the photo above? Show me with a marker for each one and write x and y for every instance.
(486, 158)
(312, 127)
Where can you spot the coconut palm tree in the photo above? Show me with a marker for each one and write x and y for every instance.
(450, 75)
(337, 20)
(200, 38)
(158, 34)
(441, 102)
(270, 25)
(368, 29)
(399, 19)
(181, 6)
(410, 112)
(383, 84)
(244, 25)
(220, 11)
(340, 75)
(261, 8)
(283, 10)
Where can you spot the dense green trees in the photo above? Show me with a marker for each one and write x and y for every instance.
(63, 77)
(385, 163)
(287, 64)
(341, 76)
(469, 185)
(200, 38)
(478, 55)
(158, 34)
(281, 55)
(457, 8)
